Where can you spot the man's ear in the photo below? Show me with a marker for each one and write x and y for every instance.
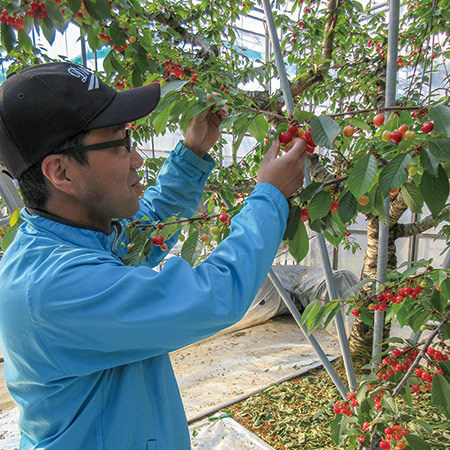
(56, 169)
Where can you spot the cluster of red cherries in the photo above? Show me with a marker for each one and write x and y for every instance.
(344, 406)
(293, 131)
(386, 297)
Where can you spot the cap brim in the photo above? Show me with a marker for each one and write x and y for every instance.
(128, 106)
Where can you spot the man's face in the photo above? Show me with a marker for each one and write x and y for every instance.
(108, 187)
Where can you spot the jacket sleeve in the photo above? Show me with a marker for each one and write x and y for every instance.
(120, 314)
(177, 192)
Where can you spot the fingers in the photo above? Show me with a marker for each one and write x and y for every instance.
(272, 153)
(297, 151)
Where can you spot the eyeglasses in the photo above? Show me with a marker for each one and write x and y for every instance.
(125, 142)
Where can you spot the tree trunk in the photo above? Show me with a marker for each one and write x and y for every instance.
(361, 336)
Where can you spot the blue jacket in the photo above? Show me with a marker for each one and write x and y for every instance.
(86, 338)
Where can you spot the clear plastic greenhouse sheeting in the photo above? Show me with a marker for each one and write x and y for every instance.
(303, 284)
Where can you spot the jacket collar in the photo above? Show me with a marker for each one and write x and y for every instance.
(78, 234)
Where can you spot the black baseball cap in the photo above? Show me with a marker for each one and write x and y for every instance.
(43, 106)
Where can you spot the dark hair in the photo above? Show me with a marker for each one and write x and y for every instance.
(33, 183)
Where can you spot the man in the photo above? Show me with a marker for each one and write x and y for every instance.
(86, 338)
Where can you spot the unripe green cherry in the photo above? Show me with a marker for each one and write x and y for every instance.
(214, 231)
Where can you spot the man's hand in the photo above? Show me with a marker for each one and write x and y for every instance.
(285, 173)
(203, 129)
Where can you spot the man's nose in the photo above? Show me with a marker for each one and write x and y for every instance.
(136, 159)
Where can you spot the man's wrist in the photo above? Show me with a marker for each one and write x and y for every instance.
(192, 148)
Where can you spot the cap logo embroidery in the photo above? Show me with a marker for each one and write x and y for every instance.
(84, 74)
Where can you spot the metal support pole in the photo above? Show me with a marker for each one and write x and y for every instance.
(348, 363)
(311, 339)
(383, 233)
(9, 194)
(83, 47)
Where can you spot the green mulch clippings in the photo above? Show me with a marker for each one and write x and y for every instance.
(298, 413)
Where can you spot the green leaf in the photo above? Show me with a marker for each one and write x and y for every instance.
(48, 30)
(440, 115)
(361, 176)
(336, 429)
(307, 192)
(15, 218)
(406, 395)
(435, 190)
(440, 394)
(440, 149)
(418, 319)
(378, 205)
(259, 127)
(429, 162)
(413, 197)
(389, 404)
(319, 206)
(438, 302)
(347, 207)
(190, 251)
(9, 236)
(299, 245)
(118, 37)
(416, 443)
(171, 86)
(74, 5)
(103, 9)
(160, 120)
(7, 37)
(354, 121)
(93, 40)
(141, 247)
(395, 173)
(90, 6)
(55, 16)
(324, 130)
(292, 222)
(367, 317)
(310, 310)
(302, 116)
(136, 76)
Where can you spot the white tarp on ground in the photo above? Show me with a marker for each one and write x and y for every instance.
(225, 434)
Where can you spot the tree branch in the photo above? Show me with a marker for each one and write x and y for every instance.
(207, 49)
(411, 229)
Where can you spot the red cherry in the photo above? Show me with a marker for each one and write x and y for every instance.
(396, 137)
(403, 128)
(285, 138)
(396, 352)
(427, 127)
(378, 120)
(304, 215)
(224, 217)
(415, 388)
(388, 430)
(355, 312)
(293, 130)
(348, 131)
(164, 247)
(334, 206)
(309, 149)
(157, 240)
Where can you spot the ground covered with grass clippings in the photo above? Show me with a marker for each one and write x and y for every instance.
(298, 413)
